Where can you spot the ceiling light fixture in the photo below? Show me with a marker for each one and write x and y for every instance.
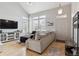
(60, 10)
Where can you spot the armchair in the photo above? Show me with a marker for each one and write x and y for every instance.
(26, 37)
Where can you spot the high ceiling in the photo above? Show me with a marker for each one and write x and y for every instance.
(33, 7)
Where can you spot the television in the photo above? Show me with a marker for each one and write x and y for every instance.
(8, 24)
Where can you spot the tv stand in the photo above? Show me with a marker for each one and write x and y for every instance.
(8, 36)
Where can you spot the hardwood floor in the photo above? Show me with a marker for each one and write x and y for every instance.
(15, 49)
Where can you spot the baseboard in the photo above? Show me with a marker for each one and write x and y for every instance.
(63, 41)
(34, 51)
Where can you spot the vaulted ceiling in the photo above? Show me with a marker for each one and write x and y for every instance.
(34, 7)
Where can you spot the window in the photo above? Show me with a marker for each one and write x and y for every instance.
(43, 16)
(39, 23)
(35, 18)
(42, 23)
(35, 23)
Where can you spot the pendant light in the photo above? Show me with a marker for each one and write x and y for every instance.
(60, 10)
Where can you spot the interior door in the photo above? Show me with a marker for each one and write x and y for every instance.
(61, 28)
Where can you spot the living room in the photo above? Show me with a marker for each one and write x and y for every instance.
(35, 28)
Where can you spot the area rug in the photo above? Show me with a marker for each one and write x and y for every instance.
(13, 49)
(54, 52)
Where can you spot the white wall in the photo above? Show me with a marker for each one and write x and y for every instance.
(12, 11)
(63, 25)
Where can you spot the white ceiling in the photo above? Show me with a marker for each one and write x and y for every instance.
(40, 6)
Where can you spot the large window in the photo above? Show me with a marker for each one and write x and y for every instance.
(42, 23)
(39, 23)
(35, 23)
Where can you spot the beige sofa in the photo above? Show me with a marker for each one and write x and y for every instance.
(41, 43)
